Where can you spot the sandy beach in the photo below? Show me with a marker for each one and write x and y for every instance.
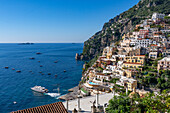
(86, 102)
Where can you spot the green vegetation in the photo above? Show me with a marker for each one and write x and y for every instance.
(149, 77)
(149, 104)
(119, 105)
(114, 80)
(84, 90)
(167, 17)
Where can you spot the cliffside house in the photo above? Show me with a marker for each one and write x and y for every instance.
(164, 64)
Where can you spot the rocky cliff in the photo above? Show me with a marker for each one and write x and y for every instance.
(123, 23)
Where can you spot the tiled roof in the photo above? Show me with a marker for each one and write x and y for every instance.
(57, 107)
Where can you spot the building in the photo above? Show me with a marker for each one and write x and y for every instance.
(157, 16)
(130, 83)
(135, 59)
(57, 107)
(130, 73)
(143, 42)
(166, 52)
(125, 42)
(164, 63)
(102, 76)
(131, 65)
(153, 55)
(143, 33)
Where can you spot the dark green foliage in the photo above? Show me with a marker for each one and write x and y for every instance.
(149, 104)
(119, 105)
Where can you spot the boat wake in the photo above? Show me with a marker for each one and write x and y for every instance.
(52, 94)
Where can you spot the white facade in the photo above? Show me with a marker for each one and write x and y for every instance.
(120, 64)
(110, 67)
(144, 42)
(156, 16)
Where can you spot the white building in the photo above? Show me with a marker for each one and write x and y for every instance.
(110, 67)
(119, 64)
(102, 76)
(143, 42)
(156, 16)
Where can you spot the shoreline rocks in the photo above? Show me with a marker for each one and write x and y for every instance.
(79, 56)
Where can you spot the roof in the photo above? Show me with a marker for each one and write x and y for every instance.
(153, 45)
(165, 59)
(101, 74)
(57, 107)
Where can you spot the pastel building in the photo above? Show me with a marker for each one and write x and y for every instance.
(164, 63)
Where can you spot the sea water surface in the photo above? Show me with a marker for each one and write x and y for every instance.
(16, 86)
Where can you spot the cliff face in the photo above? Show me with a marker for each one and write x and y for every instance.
(123, 23)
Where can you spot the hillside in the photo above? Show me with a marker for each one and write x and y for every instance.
(123, 23)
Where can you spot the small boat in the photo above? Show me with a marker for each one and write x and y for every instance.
(64, 70)
(18, 71)
(40, 72)
(13, 68)
(41, 66)
(55, 61)
(6, 67)
(49, 73)
(55, 75)
(39, 89)
(38, 53)
(32, 58)
(14, 102)
(38, 61)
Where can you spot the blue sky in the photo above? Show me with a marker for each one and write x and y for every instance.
(56, 21)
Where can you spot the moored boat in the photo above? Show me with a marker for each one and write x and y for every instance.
(18, 71)
(6, 67)
(32, 58)
(38, 53)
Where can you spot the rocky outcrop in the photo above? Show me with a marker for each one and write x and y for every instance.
(79, 56)
(121, 24)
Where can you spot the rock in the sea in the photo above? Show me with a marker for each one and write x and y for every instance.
(79, 56)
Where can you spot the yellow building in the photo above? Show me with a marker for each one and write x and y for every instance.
(136, 59)
(131, 65)
(108, 52)
(131, 84)
(130, 72)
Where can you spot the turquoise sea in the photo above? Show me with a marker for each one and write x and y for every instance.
(16, 86)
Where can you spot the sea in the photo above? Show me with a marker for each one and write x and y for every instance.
(15, 92)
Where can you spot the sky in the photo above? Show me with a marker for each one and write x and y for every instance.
(56, 21)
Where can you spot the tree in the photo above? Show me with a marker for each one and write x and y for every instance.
(119, 104)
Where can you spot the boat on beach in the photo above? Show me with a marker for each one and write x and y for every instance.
(39, 89)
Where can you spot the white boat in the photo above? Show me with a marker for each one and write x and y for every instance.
(39, 89)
